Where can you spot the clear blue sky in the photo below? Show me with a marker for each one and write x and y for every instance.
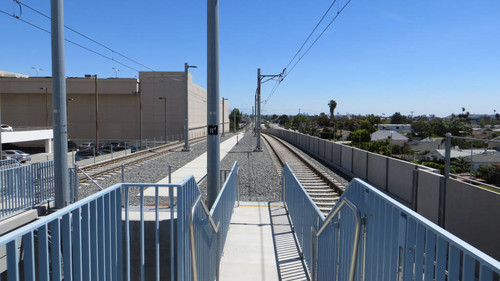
(430, 57)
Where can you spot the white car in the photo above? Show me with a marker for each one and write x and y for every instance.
(6, 128)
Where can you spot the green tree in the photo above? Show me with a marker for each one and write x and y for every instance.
(397, 118)
(421, 129)
(438, 127)
(323, 119)
(231, 118)
(283, 119)
(359, 136)
(332, 104)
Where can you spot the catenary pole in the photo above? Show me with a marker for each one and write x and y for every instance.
(60, 128)
(213, 139)
(257, 126)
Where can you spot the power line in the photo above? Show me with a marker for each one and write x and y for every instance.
(312, 32)
(69, 41)
(287, 71)
(319, 36)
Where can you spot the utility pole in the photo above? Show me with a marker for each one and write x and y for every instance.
(61, 175)
(96, 115)
(234, 119)
(223, 121)
(213, 138)
(165, 114)
(259, 82)
(186, 125)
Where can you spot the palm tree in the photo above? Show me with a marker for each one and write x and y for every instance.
(332, 104)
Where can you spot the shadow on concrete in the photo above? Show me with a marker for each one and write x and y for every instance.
(289, 262)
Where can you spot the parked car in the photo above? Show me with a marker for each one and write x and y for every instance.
(6, 128)
(86, 145)
(18, 155)
(86, 154)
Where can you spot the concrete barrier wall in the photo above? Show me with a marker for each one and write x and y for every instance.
(472, 214)
(360, 160)
(347, 158)
(377, 170)
(428, 195)
(400, 179)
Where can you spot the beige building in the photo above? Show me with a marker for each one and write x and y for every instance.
(27, 102)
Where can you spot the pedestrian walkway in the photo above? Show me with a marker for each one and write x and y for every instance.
(249, 250)
(197, 167)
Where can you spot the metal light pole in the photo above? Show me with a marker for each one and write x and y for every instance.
(61, 175)
(213, 138)
(116, 71)
(223, 121)
(96, 99)
(234, 119)
(257, 126)
(46, 105)
(138, 92)
(37, 69)
(186, 125)
(67, 111)
(165, 113)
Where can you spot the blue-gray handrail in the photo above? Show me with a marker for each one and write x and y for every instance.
(355, 245)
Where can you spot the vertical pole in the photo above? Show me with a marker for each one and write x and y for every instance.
(186, 125)
(138, 91)
(223, 129)
(0, 129)
(447, 154)
(259, 147)
(96, 115)
(253, 114)
(213, 139)
(61, 176)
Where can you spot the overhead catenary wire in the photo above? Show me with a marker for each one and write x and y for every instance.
(85, 36)
(73, 42)
(299, 58)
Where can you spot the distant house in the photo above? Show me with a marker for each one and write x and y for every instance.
(394, 137)
(427, 144)
(439, 154)
(489, 158)
(495, 145)
(400, 128)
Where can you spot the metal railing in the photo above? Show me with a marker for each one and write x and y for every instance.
(208, 230)
(125, 232)
(388, 241)
(24, 187)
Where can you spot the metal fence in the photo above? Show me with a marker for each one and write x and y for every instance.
(125, 232)
(23, 187)
(209, 230)
(370, 236)
(430, 194)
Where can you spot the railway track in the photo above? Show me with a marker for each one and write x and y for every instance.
(111, 166)
(323, 189)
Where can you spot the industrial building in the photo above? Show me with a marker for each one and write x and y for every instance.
(111, 109)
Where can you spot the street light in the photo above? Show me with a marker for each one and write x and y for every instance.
(37, 69)
(138, 92)
(186, 126)
(116, 71)
(46, 105)
(223, 113)
(67, 111)
(96, 110)
(165, 113)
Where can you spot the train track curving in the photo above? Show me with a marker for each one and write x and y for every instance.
(323, 189)
(111, 166)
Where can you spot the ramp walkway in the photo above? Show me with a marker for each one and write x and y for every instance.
(260, 245)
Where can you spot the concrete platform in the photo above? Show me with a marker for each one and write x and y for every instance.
(249, 251)
(197, 167)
